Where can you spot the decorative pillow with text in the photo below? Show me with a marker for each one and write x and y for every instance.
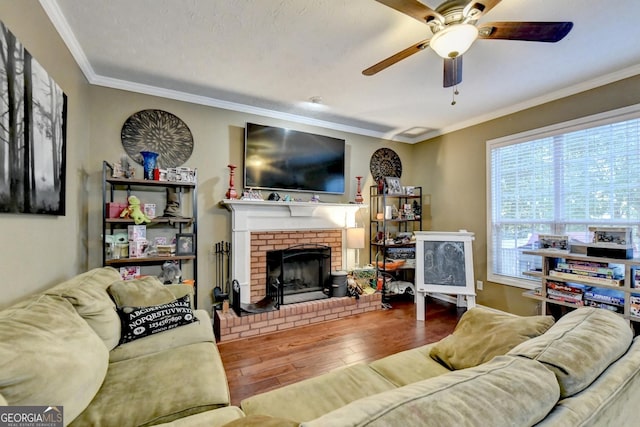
(138, 322)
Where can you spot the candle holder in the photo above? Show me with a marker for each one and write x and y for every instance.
(359, 198)
(231, 192)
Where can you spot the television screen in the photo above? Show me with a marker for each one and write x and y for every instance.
(284, 159)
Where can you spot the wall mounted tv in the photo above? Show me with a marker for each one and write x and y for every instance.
(289, 160)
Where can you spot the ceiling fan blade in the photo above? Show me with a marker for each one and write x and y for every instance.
(414, 9)
(396, 58)
(476, 9)
(549, 32)
(452, 71)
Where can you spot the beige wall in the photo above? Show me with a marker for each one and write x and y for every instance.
(38, 250)
(218, 140)
(452, 168)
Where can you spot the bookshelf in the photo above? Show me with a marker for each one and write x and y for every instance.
(601, 275)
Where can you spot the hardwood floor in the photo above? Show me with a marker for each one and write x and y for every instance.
(255, 365)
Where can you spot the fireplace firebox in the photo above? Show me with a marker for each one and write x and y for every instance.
(299, 273)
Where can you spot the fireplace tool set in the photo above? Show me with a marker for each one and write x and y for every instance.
(222, 252)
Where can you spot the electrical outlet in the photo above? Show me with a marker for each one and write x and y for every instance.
(479, 285)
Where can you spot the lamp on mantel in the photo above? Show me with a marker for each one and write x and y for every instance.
(454, 40)
(355, 240)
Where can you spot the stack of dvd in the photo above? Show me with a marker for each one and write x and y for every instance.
(609, 299)
(566, 292)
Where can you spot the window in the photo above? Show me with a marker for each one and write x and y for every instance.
(560, 180)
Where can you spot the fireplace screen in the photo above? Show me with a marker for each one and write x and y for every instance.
(299, 273)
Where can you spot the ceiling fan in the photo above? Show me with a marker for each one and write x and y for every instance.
(454, 28)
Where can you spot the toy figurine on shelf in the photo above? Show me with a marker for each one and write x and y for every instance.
(122, 168)
(134, 212)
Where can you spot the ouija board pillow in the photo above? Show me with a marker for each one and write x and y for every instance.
(138, 322)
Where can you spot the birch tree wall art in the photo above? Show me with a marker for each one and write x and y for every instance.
(33, 112)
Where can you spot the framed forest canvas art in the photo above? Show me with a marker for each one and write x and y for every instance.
(33, 113)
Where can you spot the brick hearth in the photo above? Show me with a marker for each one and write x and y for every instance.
(230, 327)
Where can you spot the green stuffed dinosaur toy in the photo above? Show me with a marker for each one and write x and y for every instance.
(134, 212)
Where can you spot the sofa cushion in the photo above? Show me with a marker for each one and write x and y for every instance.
(508, 391)
(159, 388)
(143, 292)
(179, 290)
(579, 347)
(409, 366)
(310, 398)
(102, 276)
(197, 332)
(262, 421)
(214, 418)
(50, 356)
(609, 401)
(93, 303)
(481, 334)
(139, 322)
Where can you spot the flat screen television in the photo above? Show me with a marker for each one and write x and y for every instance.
(289, 160)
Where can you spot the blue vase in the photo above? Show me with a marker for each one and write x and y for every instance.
(149, 159)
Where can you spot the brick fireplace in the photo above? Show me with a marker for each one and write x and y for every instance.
(262, 226)
(263, 242)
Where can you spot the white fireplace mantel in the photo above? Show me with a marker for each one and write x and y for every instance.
(249, 216)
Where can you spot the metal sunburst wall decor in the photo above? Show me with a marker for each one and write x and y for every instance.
(159, 132)
(385, 162)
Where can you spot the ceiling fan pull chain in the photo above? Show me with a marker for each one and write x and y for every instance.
(453, 95)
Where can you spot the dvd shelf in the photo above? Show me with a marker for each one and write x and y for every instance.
(574, 280)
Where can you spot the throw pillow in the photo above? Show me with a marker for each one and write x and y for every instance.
(138, 322)
(143, 292)
(482, 334)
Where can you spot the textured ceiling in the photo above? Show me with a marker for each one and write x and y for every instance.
(270, 57)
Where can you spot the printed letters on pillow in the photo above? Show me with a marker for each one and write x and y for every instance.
(138, 322)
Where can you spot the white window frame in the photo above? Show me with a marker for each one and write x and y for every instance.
(601, 119)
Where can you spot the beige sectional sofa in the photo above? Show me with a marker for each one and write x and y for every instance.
(584, 370)
(64, 347)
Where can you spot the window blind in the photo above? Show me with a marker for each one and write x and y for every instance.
(560, 182)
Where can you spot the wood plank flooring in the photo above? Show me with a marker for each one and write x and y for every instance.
(258, 364)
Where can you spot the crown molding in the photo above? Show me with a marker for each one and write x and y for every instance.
(56, 16)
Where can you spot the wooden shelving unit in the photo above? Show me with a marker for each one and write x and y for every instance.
(114, 187)
(551, 257)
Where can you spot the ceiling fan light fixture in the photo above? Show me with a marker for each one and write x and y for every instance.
(454, 40)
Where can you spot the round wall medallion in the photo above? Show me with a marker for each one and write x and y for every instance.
(385, 162)
(159, 132)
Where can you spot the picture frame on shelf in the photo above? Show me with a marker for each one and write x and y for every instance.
(185, 244)
(393, 185)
